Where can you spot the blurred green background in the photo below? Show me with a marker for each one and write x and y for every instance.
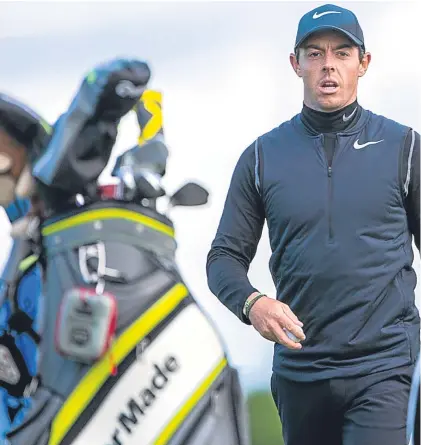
(265, 426)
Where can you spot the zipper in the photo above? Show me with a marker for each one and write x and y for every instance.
(330, 186)
(330, 197)
(329, 211)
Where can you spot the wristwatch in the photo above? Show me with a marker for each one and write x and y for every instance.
(250, 303)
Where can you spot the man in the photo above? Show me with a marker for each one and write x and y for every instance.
(339, 189)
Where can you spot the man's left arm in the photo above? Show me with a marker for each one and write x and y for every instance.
(411, 180)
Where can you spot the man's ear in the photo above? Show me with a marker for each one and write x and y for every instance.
(295, 64)
(365, 62)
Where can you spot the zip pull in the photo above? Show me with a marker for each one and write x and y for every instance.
(329, 171)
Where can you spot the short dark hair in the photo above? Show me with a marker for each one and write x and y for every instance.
(361, 53)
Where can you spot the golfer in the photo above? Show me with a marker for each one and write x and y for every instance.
(339, 189)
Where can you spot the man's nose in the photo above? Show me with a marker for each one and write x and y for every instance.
(329, 62)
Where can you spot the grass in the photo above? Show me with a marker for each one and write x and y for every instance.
(265, 426)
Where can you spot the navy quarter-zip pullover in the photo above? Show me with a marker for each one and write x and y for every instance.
(341, 200)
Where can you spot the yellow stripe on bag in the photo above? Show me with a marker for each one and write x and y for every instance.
(100, 372)
(186, 409)
(103, 214)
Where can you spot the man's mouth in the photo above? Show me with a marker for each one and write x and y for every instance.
(329, 86)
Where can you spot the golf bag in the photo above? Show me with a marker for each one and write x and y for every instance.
(22, 134)
(127, 356)
(18, 357)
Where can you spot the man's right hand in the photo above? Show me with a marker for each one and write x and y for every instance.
(270, 317)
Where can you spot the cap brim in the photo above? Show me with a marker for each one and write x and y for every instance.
(322, 27)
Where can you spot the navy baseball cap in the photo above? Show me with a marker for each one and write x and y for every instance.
(330, 17)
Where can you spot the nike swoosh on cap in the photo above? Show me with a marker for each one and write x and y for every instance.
(357, 145)
(347, 118)
(317, 15)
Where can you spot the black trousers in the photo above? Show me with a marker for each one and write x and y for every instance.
(368, 410)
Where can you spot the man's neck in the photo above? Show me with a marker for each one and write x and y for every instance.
(331, 122)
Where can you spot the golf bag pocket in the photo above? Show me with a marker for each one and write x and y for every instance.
(85, 325)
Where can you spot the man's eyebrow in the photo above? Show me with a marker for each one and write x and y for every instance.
(344, 46)
(315, 46)
(312, 46)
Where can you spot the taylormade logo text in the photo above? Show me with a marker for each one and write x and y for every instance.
(137, 407)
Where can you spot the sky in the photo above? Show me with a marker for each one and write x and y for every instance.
(224, 72)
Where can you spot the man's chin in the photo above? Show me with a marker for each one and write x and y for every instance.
(330, 103)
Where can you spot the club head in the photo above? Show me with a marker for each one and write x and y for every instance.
(148, 185)
(150, 156)
(190, 194)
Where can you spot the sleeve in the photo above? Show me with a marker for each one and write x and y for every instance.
(238, 235)
(411, 181)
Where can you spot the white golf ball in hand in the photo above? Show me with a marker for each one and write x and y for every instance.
(291, 336)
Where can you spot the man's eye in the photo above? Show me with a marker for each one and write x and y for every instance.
(314, 54)
(343, 54)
